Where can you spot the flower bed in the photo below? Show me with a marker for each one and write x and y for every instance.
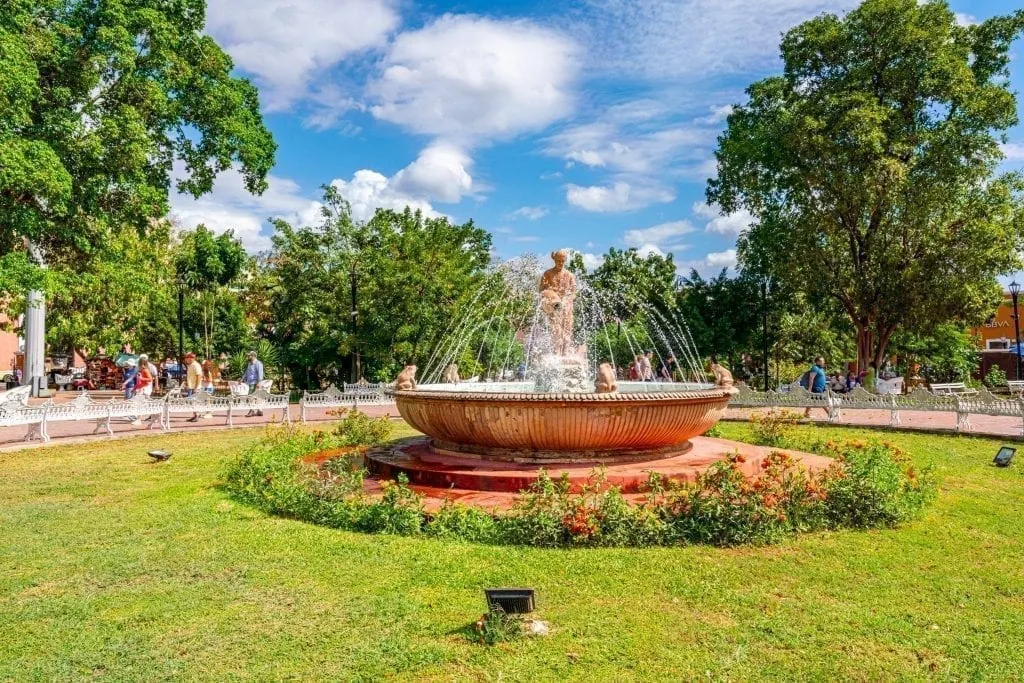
(871, 484)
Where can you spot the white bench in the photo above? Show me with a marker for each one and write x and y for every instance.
(83, 408)
(352, 395)
(1016, 386)
(956, 388)
(203, 403)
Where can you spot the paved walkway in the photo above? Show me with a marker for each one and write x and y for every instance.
(912, 420)
(12, 438)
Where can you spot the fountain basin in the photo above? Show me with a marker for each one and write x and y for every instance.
(562, 428)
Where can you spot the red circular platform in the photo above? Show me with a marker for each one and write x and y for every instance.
(494, 485)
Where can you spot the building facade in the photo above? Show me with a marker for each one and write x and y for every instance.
(995, 337)
(10, 345)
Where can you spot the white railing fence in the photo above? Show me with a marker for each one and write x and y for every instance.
(15, 410)
(981, 402)
(350, 395)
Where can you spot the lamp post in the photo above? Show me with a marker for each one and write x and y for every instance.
(1014, 291)
(180, 282)
(764, 327)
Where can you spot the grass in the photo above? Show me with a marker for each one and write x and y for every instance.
(114, 568)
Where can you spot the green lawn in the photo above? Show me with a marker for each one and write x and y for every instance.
(111, 567)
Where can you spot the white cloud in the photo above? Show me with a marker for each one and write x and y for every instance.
(722, 259)
(658, 238)
(717, 115)
(693, 38)
(369, 190)
(629, 147)
(530, 213)
(620, 196)
(965, 19)
(711, 265)
(592, 261)
(471, 78)
(231, 207)
(524, 238)
(285, 44)
(723, 224)
(439, 172)
(1012, 151)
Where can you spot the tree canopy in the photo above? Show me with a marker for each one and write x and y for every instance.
(105, 105)
(404, 272)
(871, 167)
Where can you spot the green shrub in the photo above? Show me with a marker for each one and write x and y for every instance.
(773, 428)
(359, 429)
(870, 484)
(399, 510)
(996, 377)
(875, 485)
(456, 521)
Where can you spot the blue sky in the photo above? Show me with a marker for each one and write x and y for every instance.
(583, 124)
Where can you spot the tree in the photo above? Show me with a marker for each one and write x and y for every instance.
(870, 167)
(124, 294)
(99, 103)
(405, 273)
(206, 264)
(723, 313)
(625, 282)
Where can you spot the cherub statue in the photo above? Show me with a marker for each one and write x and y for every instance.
(605, 383)
(406, 379)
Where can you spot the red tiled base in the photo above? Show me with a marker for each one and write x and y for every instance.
(494, 485)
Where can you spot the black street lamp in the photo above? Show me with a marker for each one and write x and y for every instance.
(180, 282)
(1014, 291)
(764, 329)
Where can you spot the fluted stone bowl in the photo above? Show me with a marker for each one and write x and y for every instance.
(520, 426)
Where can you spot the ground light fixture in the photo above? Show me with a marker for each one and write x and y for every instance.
(510, 600)
(1004, 456)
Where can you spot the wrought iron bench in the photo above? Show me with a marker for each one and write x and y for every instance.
(352, 395)
(920, 399)
(957, 388)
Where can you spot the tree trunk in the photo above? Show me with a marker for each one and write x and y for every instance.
(865, 345)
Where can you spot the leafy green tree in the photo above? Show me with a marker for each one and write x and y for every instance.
(125, 294)
(723, 314)
(406, 273)
(950, 353)
(101, 103)
(870, 165)
(625, 282)
(206, 264)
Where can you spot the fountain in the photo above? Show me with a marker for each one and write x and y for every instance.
(563, 408)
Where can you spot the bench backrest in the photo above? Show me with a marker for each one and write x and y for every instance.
(949, 388)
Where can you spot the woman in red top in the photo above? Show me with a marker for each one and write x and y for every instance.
(143, 379)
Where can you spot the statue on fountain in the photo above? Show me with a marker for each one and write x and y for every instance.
(558, 295)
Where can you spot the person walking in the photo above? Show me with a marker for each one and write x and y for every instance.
(193, 380)
(817, 380)
(131, 373)
(130, 384)
(154, 375)
(252, 376)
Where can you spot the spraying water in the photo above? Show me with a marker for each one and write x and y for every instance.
(548, 331)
